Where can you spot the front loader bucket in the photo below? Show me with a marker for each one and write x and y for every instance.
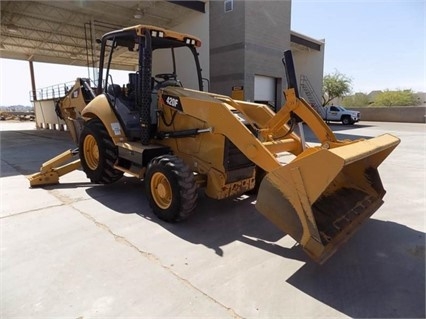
(323, 196)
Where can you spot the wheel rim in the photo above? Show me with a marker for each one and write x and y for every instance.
(91, 152)
(161, 190)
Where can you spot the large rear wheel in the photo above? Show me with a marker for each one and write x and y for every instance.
(98, 153)
(171, 189)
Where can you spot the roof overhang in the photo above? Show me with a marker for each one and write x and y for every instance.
(303, 42)
(65, 32)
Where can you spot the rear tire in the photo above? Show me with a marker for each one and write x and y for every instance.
(98, 153)
(171, 189)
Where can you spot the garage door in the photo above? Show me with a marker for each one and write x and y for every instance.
(264, 89)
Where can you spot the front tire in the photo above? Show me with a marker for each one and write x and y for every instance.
(346, 120)
(260, 174)
(171, 189)
(98, 153)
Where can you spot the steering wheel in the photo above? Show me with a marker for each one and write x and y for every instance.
(164, 77)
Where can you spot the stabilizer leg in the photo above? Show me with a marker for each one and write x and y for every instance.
(50, 171)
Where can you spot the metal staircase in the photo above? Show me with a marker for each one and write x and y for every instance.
(311, 97)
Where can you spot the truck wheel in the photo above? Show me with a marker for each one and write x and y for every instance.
(346, 120)
(98, 153)
(170, 187)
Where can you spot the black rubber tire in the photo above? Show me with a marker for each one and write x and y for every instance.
(180, 184)
(100, 170)
(346, 120)
(260, 174)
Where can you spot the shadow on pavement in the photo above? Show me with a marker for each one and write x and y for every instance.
(335, 127)
(214, 224)
(24, 151)
(379, 273)
(350, 132)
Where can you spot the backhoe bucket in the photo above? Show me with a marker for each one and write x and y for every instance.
(323, 196)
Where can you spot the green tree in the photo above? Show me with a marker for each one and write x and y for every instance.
(396, 98)
(358, 99)
(335, 85)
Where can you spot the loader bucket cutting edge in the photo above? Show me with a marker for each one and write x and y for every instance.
(322, 197)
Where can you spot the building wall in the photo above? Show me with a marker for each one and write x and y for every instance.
(198, 25)
(45, 114)
(267, 37)
(310, 63)
(247, 41)
(403, 114)
(226, 46)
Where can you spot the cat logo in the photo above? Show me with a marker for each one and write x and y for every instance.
(172, 101)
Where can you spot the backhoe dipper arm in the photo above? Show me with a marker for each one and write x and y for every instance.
(290, 72)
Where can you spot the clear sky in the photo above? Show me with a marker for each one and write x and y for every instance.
(378, 44)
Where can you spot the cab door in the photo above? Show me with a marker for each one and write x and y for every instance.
(333, 114)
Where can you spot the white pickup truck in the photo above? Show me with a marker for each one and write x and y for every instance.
(339, 114)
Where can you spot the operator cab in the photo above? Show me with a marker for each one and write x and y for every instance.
(153, 52)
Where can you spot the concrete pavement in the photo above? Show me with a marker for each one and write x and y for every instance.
(78, 250)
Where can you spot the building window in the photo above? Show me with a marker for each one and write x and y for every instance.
(229, 5)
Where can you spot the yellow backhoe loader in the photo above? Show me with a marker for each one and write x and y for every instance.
(178, 140)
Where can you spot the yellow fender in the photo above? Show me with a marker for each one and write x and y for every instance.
(100, 108)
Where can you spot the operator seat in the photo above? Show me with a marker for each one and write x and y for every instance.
(128, 117)
(114, 90)
(170, 82)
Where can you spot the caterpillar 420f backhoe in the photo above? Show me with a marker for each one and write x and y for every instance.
(178, 139)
